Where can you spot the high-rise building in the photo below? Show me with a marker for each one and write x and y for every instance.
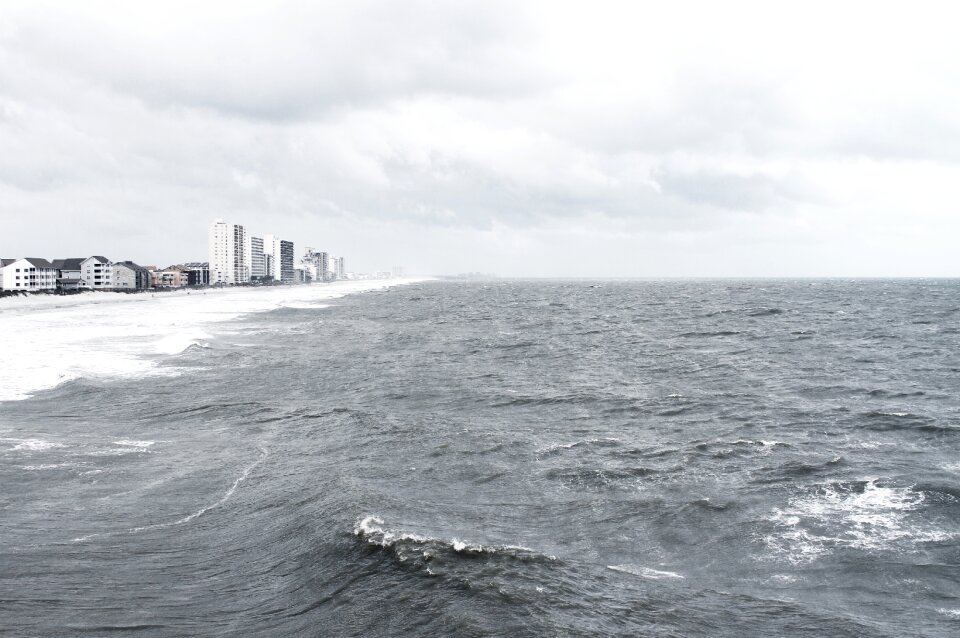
(320, 262)
(281, 258)
(227, 263)
(285, 250)
(336, 268)
(254, 258)
(268, 265)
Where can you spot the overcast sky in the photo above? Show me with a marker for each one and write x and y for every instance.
(521, 138)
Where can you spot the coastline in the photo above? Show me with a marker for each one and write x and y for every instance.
(49, 340)
(14, 304)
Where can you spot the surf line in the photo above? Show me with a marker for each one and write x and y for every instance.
(200, 512)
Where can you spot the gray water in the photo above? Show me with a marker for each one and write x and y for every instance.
(718, 458)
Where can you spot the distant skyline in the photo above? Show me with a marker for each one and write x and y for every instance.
(539, 139)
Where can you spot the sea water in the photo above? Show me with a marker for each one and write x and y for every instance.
(522, 458)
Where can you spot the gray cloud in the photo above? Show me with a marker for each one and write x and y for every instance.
(461, 120)
(755, 193)
(298, 60)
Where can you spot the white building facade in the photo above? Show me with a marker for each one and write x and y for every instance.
(254, 258)
(96, 273)
(337, 270)
(319, 262)
(227, 246)
(30, 274)
(281, 258)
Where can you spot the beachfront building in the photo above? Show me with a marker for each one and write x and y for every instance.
(129, 276)
(96, 273)
(319, 262)
(198, 273)
(336, 268)
(68, 273)
(281, 258)
(3, 263)
(169, 277)
(254, 258)
(268, 266)
(226, 246)
(30, 274)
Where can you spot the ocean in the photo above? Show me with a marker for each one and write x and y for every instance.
(501, 458)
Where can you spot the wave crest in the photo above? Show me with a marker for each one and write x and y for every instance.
(421, 549)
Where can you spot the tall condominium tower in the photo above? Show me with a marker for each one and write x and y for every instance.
(254, 258)
(227, 263)
(320, 261)
(336, 268)
(281, 258)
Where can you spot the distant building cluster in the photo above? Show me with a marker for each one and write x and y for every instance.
(75, 274)
(235, 258)
(238, 258)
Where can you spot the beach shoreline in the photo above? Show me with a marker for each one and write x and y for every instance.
(35, 301)
(49, 340)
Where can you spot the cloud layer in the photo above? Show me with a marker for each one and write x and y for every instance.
(618, 139)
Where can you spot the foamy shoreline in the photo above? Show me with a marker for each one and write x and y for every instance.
(48, 340)
(46, 302)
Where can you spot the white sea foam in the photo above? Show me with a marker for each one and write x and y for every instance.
(644, 572)
(176, 343)
(568, 446)
(299, 305)
(200, 512)
(226, 496)
(371, 529)
(35, 445)
(137, 444)
(108, 335)
(952, 613)
(835, 516)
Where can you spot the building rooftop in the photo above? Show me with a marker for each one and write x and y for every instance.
(38, 262)
(129, 264)
(71, 263)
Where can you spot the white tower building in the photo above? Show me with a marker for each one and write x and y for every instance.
(281, 258)
(337, 268)
(227, 247)
(254, 257)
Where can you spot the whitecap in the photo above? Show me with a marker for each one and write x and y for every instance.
(35, 445)
(372, 529)
(181, 341)
(137, 444)
(865, 516)
(568, 446)
(645, 572)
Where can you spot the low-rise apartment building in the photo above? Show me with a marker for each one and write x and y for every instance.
(68, 273)
(30, 274)
(96, 273)
(130, 276)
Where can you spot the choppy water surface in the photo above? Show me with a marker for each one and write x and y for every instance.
(719, 458)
